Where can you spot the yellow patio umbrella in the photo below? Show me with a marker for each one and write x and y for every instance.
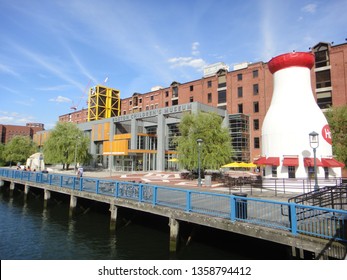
(251, 165)
(173, 160)
(243, 164)
(232, 164)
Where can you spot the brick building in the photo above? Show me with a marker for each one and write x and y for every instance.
(79, 116)
(9, 131)
(245, 94)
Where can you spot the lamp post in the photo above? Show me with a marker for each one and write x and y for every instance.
(75, 154)
(199, 141)
(314, 143)
(111, 154)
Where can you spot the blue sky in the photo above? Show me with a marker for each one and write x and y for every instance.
(51, 52)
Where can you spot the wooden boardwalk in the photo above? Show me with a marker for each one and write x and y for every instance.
(257, 218)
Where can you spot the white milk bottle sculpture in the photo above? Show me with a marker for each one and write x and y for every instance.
(293, 114)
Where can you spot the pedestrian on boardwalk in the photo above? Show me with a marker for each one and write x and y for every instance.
(80, 172)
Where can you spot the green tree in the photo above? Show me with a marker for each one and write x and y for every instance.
(2, 157)
(216, 148)
(18, 149)
(337, 119)
(65, 144)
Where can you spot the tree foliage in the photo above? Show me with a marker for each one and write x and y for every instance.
(216, 148)
(337, 119)
(18, 149)
(66, 142)
(2, 157)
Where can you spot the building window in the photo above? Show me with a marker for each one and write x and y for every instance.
(255, 89)
(166, 104)
(191, 99)
(222, 82)
(240, 108)
(255, 124)
(174, 102)
(140, 100)
(166, 94)
(152, 97)
(324, 99)
(209, 97)
(255, 73)
(191, 88)
(256, 107)
(256, 143)
(322, 56)
(239, 77)
(222, 96)
(130, 102)
(239, 92)
(291, 171)
(274, 171)
(209, 84)
(323, 79)
(147, 107)
(174, 92)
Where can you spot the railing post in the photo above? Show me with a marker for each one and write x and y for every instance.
(97, 186)
(116, 192)
(140, 192)
(232, 208)
(155, 189)
(81, 184)
(188, 201)
(50, 179)
(292, 218)
(61, 181)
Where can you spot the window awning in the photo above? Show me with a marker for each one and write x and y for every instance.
(260, 161)
(290, 161)
(310, 162)
(275, 161)
(330, 162)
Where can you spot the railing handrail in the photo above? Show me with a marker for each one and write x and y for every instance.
(228, 206)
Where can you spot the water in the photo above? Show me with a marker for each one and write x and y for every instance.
(30, 230)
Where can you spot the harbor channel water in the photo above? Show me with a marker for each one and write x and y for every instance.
(34, 229)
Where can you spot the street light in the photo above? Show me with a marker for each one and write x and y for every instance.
(314, 143)
(111, 154)
(75, 154)
(199, 141)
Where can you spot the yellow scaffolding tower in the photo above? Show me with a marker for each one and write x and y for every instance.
(103, 102)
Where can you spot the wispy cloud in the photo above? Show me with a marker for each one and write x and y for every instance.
(53, 88)
(60, 99)
(309, 8)
(267, 30)
(195, 47)
(48, 64)
(8, 70)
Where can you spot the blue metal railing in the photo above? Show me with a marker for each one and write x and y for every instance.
(321, 222)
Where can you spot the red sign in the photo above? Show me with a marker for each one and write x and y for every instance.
(326, 133)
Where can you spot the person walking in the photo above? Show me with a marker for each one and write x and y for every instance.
(80, 172)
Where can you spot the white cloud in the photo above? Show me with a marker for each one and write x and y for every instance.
(197, 63)
(195, 50)
(14, 118)
(309, 8)
(60, 99)
(6, 119)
